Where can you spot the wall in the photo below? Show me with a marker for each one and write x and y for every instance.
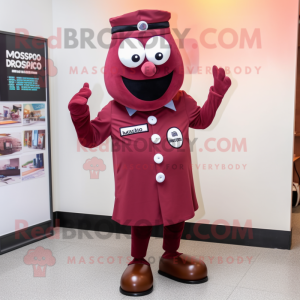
(258, 110)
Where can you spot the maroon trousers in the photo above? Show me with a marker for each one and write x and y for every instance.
(140, 236)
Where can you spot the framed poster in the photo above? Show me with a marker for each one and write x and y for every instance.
(25, 154)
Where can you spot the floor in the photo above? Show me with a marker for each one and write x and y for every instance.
(87, 265)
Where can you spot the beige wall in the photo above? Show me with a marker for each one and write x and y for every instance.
(258, 108)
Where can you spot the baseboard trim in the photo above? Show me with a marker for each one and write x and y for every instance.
(244, 236)
(23, 237)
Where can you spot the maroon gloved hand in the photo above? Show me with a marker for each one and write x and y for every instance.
(78, 103)
(221, 82)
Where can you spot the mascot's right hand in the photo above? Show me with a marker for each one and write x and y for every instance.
(77, 105)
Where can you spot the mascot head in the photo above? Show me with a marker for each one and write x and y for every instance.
(143, 68)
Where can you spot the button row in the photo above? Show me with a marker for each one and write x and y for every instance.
(152, 120)
(155, 138)
(158, 158)
(160, 177)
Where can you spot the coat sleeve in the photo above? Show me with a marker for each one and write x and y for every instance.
(93, 133)
(202, 117)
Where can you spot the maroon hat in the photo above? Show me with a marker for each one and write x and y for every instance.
(141, 20)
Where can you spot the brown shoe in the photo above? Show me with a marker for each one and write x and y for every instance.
(184, 268)
(137, 280)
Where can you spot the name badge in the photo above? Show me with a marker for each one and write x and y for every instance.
(174, 137)
(134, 129)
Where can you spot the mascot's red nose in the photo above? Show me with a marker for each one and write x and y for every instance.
(148, 69)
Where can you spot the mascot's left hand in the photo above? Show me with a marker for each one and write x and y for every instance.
(221, 82)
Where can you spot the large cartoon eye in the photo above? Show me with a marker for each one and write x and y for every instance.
(158, 50)
(131, 53)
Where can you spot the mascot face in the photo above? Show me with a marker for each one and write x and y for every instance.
(144, 68)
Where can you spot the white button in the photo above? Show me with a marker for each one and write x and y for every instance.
(142, 26)
(158, 158)
(155, 138)
(160, 177)
(152, 120)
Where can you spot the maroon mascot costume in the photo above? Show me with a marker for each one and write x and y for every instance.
(149, 121)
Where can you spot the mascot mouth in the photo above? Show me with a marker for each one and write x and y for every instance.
(149, 89)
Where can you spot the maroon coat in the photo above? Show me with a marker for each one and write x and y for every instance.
(140, 199)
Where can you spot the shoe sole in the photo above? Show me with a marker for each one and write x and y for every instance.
(183, 280)
(136, 294)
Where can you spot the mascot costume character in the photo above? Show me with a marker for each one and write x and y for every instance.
(149, 121)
